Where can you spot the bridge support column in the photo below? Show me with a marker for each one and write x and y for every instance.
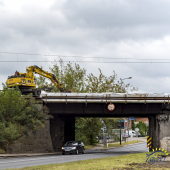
(62, 129)
(153, 132)
(159, 130)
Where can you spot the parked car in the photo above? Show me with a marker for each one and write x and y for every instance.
(108, 137)
(132, 132)
(135, 134)
(139, 135)
(74, 147)
(100, 137)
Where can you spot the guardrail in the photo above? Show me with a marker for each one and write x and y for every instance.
(105, 98)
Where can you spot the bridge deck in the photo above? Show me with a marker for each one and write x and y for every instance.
(105, 97)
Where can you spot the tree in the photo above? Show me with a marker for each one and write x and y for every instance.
(18, 115)
(72, 77)
(87, 129)
(103, 84)
(110, 124)
(75, 78)
(142, 128)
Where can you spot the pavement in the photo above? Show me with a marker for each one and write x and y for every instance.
(98, 147)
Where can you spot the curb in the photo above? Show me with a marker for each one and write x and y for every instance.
(91, 150)
(102, 149)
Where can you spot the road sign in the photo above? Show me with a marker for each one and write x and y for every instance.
(149, 142)
(111, 107)
(131, 118)
(137, 129)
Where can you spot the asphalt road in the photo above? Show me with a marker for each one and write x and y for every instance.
(43, 160)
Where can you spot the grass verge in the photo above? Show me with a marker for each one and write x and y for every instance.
(89, 146)
(122, 144)
(128, 162)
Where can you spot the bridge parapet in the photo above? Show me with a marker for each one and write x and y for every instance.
(105, 98)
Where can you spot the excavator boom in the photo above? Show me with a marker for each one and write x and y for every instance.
(25, 81)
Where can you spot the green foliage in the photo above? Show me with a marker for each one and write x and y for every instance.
(87, 129)
(142, 128)
(110, 124)
(18, 115)
(133, 125)
(76, 79)
(72, 76)
(104, 84)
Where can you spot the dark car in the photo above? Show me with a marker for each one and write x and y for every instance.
(74, 147)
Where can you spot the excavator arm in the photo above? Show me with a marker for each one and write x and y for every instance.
(35, 69)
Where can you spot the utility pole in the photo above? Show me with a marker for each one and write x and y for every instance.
(120, 136)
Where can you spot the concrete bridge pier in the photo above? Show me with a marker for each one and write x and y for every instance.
(159, 130)
(62, 129)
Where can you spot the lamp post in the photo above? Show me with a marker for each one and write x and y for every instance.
(120, 135)
(128, 118)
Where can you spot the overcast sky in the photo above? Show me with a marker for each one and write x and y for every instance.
(137, 29)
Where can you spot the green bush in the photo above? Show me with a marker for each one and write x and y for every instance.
(142, 128)
(87, 129)
(18, 115)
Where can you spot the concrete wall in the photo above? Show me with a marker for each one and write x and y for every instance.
(36, 142)
(51, 138)
(159, 130)
(164, 131)
(165, 143)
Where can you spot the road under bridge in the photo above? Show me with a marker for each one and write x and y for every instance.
(66, 106)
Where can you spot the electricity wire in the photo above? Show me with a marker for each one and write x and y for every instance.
(126, 60)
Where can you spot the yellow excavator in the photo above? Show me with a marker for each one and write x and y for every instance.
(25, 81)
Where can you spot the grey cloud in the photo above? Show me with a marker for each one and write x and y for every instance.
(107, 13)
(120, 19)
(91, 28)
(1, 3)
(78, 23)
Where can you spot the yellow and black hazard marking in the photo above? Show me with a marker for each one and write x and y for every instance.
(149, 142)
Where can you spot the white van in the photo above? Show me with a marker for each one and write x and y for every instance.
(131, 133)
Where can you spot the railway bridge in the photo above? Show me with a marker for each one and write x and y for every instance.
(64, 107)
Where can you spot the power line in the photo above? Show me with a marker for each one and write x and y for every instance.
(84, 61)
(126, 60)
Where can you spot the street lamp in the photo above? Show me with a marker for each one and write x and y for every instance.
(126, 78)
(128, 117)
